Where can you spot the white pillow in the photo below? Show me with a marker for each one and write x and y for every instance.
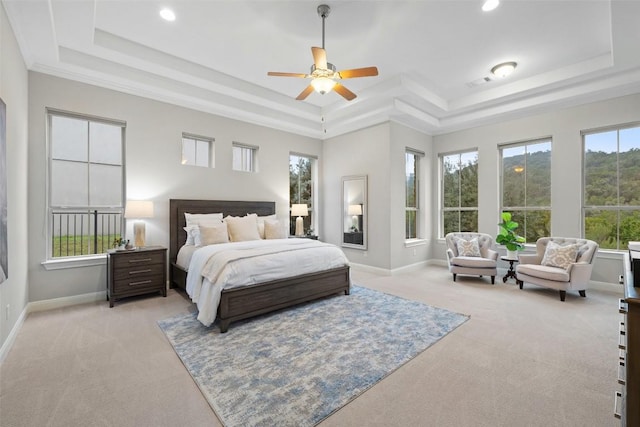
(260, 220)
(274, 229)
(242, 228)
(559, 256)
(468, 247)
(203, 219)
(193, 232)
(214, 234)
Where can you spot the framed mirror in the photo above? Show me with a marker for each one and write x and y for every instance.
(354, 212)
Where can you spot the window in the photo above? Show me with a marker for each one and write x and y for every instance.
(244, 157)
(412, 193)
(611, 188)
(302, 171)
(526, 187)
(86, 181)
(459, 189)
(198, 151)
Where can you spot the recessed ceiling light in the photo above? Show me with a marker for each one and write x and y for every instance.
(167, 14)
(490, 5)
(504, 69)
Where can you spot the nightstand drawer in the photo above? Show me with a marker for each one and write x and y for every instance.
(136, 284)
(138, 270)
(136, 259)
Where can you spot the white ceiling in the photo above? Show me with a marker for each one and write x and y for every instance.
(216, 55)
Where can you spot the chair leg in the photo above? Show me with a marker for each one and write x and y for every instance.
(563, 294)
(520, 283)
(493, 280)
(583, 293)
(454, 277)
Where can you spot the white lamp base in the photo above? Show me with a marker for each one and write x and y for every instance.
(139, 233)
(299, 227)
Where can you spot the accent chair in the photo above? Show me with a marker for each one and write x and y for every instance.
(471, 253)
(559, 263)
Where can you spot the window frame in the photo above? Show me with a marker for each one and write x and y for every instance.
(522, 228)
(211, 155)
(617, 208)
(459, 208)
(253, 149)
(418, 157)
(51, 261)
(313, 211)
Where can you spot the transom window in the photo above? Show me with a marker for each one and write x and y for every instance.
(244, 157)
(86, 184)
(611, 188)
(459, 189)
(198, 151)
(526, 186)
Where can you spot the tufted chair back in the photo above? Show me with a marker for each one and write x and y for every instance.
(485, 241)
(586, 248)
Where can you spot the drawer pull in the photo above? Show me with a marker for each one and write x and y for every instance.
(140, 271)
(142, 282)
(622, 342)
(622, 306)
(621, 374)
(134, 261)
(616, 413)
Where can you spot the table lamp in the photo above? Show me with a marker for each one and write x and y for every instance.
(299, 210)
(138, 209)
(355, 211)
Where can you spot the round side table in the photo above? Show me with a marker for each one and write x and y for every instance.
(511, 272)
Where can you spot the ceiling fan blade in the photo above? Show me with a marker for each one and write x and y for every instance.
(305, 93)
(319, 57)
(346, 93)
(358, 72)
(278, 74)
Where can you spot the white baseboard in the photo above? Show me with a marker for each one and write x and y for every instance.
(8, 343)
(50, 304)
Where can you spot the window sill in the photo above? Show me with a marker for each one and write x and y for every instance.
(63, 263)
(414, 242)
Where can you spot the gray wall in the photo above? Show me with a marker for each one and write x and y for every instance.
(379, 153)
(564, 127)
(153, 168)
(14, 93)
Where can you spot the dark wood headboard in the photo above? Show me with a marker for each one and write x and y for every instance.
(178, 207)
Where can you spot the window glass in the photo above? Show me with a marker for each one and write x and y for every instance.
(197, 151)
(611, 187)
(244, 158)
(526, 187)
(459, 189)
(301, 188)
(412, 198)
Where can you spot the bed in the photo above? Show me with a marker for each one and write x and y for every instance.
(252, 300)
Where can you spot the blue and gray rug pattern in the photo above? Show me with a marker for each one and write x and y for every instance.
(297, 366)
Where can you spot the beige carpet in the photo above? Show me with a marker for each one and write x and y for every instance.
(523, 359)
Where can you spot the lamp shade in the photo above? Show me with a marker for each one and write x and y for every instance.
(139, 209)
(299, 209)
(354, 210)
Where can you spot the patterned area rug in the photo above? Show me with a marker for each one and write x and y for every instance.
(297, 366)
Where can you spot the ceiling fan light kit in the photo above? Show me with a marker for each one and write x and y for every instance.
(323, 74)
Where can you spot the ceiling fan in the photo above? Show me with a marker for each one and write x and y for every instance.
(323, 74)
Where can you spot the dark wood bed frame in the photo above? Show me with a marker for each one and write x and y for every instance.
(249, 301)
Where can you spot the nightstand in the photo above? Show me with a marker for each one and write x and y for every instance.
(136, 272)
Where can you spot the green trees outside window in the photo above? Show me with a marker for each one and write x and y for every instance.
(301, 188)
(526, 187)
(459, 192)
(612, 187)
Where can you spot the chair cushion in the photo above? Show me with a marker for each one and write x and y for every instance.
(469, 248)
(473, 261)
(559, 256)
(557, 274)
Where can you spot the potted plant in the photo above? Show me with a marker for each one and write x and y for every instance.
(508, 236)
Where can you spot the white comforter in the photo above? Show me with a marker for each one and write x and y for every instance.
(230, 265)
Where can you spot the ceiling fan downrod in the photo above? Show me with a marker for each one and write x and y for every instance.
(323, 12)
